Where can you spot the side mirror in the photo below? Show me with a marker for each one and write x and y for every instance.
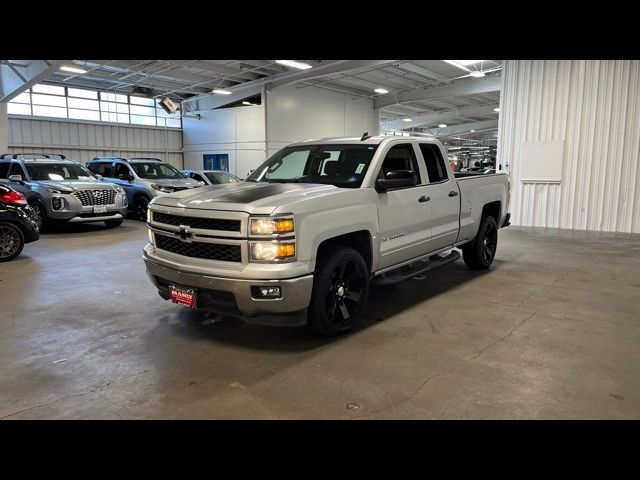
(397, 179)
(130, 177)
(16, 178)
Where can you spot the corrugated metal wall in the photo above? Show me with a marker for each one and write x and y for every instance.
(594, 106)
(83, 141)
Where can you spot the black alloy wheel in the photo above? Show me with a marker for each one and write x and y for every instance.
(479, 253)
(344, 295)
(340, 289)
(142, 204)
(11, 242)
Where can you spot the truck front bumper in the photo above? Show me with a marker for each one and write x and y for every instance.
(233, 297)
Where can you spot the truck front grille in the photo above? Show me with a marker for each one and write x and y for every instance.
(96, 197)
(209, 251)
(194, 222)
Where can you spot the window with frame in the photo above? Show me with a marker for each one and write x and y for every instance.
(122, 171)
(43, 100)
(16, 169)
(434, 163)
(400, 157)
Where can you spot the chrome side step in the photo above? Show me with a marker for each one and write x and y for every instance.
(410, 271)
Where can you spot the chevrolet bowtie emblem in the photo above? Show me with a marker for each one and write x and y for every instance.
(185, 234)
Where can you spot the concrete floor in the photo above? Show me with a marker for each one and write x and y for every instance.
(551, 331)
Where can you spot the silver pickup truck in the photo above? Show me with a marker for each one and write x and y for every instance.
(300, 240)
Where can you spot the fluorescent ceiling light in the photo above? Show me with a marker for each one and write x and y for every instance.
(381, 91)
(294, 64)
(477, 74)
(73, 69)
(407, 120)
(472, 131)
(442, 125)
(463, 64)
(496, 109)
(221, 91)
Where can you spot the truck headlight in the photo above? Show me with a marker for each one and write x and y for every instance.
(272, 251)
(162, 188)
(270, 226)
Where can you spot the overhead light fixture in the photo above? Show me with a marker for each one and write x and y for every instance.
(463, 64)
(294, 64)
(73, 69)
(220, 91)
(407, 120)
(496, 109)
(472, 131)
(442, 125)
(477, 74)
(381, 91)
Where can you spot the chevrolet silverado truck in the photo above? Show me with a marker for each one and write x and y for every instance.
(301, 239)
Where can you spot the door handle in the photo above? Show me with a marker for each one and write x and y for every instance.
(453, 193)
(424, 199)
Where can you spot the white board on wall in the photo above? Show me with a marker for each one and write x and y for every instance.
(541, 162)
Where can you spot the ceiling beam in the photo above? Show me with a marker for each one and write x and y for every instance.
(440, 117)
(465, 86)
(289, 77)
(209, 102)
(463, 128)
(331, 68)
(16, 79)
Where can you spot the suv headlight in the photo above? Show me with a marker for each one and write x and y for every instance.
(271, 226)
(162, 188)
(272, 251)
(119, 189)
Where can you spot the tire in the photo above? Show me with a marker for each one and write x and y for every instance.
(113, 223)
(141, 203)
(340, 289)
(11, 241)
(41, 215)
(479, 253)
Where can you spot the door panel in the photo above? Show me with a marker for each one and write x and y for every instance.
(403, 214)
(445, 198)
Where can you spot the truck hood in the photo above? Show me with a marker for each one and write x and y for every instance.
(175, 182)
(75, 184)
(252, 197)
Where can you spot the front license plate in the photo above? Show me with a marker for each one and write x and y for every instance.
(183, 296)
(99, 209)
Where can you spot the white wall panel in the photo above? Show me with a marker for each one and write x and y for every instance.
(594, 107)
(82, 141)
(238, 132)
(295, 114)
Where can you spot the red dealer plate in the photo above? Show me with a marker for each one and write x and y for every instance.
(183, 296)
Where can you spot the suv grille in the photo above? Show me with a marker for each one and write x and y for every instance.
(96, 197)
(193, 222)
(210, 251)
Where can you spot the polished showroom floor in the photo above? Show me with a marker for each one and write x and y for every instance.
(551, 331)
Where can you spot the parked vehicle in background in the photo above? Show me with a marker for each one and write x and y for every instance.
(211, 177)
(61, 190)
(301, 239)
(142, 179)
(18, 223)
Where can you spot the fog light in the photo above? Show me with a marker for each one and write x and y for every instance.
(266, 292)
(56, 202)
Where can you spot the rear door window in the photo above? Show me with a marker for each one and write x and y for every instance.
(4, 169)
(434, 163)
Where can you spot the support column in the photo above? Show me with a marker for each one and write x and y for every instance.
(4, 129)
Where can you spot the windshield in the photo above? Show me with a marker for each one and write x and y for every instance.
(339, 165)
(221, 177)
(156, 170)
(58, 171)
